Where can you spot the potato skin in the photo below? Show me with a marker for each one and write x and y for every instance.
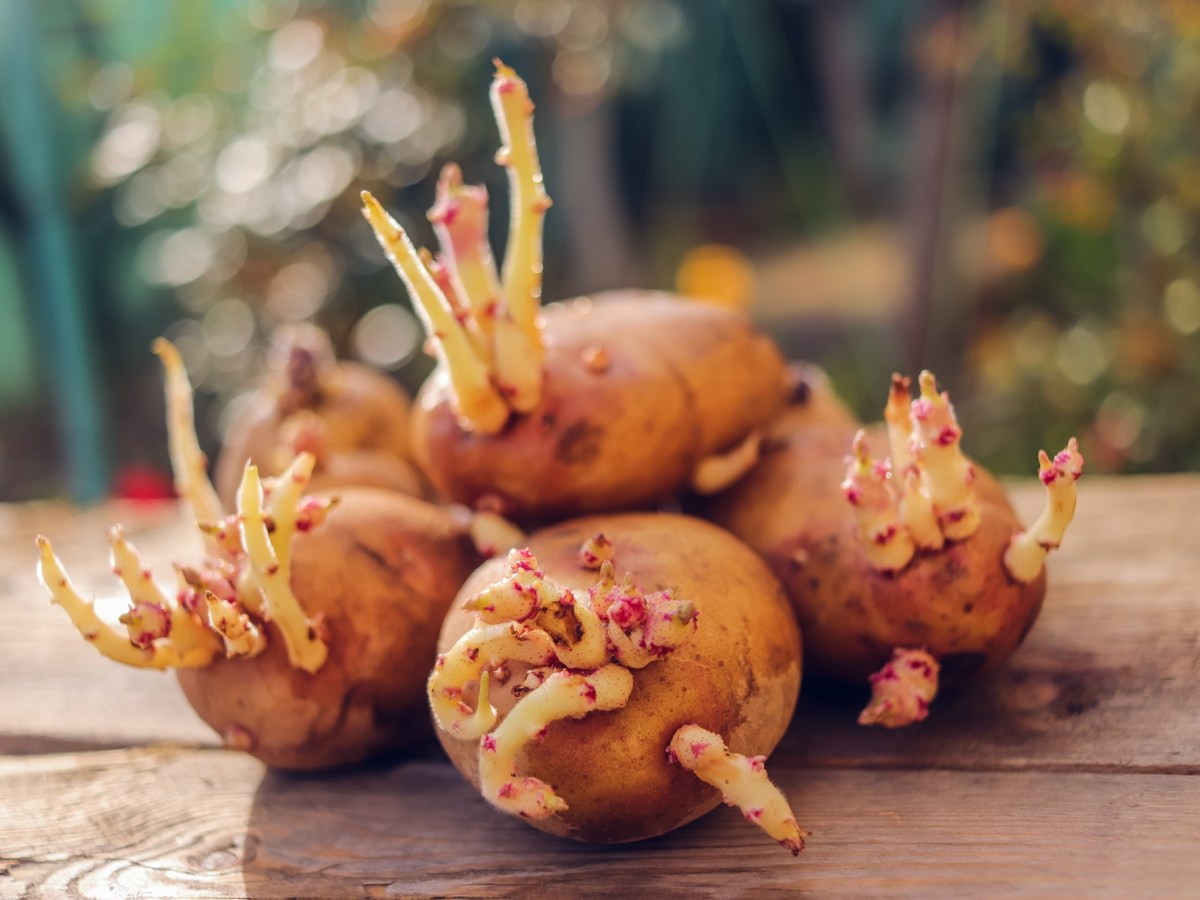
(368, 412)
(381, 570)
(739, 676)
(683, 380)
(958, 603)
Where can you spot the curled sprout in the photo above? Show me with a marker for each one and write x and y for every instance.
(742, 781)
(481, 649)
(563, 694)
(219, 606)
(485, 333)
(187, 459)
(715, 473)
(902, 690)
(640, 627)
(1027, 553)
(924, 494)
(580, 651)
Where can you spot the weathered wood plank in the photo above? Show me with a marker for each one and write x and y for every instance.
(58, 692)
(170, 822)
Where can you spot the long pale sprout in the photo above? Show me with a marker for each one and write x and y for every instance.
(486, 331)
(245, 577)
(187, 459)
(742, 781)
(479, 403)
(522, 270)
(272, 569)
(460, 221)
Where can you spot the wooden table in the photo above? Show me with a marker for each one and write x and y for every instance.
(1071, 772)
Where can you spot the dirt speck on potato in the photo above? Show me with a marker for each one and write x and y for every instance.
(579, 444)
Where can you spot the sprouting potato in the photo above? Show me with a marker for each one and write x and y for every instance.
(631, 663)
(613, 436)
(601, 403)
(353, 419)
(903, 559)
(304, 635)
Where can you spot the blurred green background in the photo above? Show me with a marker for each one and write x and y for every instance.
(1005, 192)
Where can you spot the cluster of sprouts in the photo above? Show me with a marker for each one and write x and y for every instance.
(924, 495)
(220, 607)
(902, 690)
(485, 329)
(580, 654)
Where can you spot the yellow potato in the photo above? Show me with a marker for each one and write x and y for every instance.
(638, 388)
(354, 419)
(737, 676)
(959, 602)
(377, 576)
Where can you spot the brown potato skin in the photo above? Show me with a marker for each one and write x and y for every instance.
(684, 381)
(738, 676)
(958, 603)
(369, 412)
(380, 573)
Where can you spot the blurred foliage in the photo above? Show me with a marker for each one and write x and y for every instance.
(1045, 262)
(1097, 332)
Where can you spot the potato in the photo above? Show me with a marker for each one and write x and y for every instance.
(354, 419)
(639, 388)
(958, 602)
(736, 676)
(792, 511)
(378, 576)
(596, 404)
(328, 672)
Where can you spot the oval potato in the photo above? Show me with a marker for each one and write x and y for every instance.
(738, 676)
(369, 411)
(378, 575)
(957, 603)
(639, 387)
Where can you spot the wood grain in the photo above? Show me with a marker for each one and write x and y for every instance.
(59, 693)
(169, 822)
(1070, 772)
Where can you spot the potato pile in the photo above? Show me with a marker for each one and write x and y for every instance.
(697, 633)
(621, 673)
(621, 670)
